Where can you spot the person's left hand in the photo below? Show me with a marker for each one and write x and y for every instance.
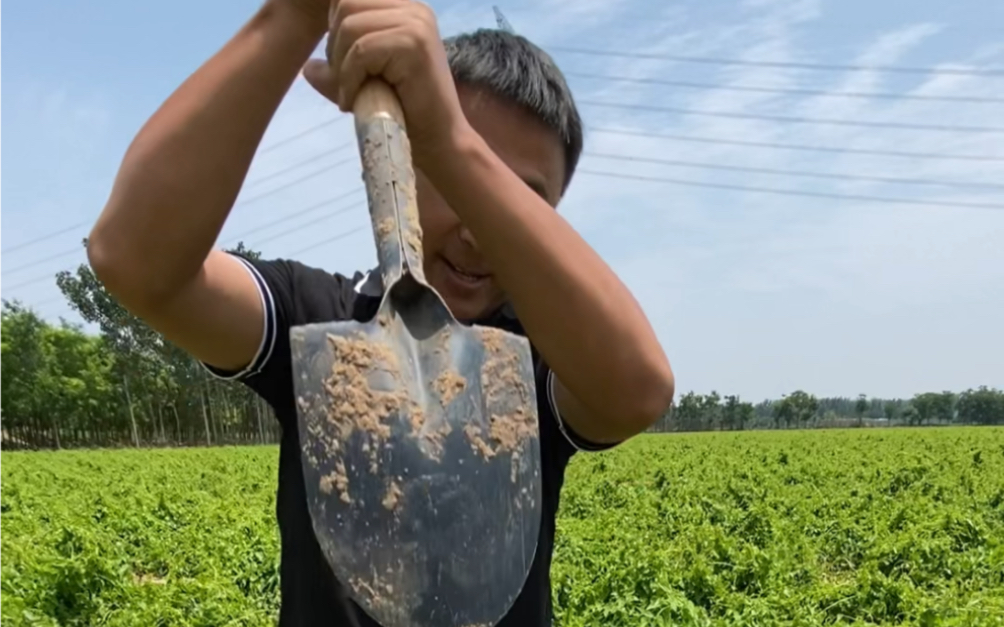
(398, 41)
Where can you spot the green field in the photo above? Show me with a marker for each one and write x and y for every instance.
(759, 528)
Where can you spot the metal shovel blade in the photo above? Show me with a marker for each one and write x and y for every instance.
(419, 435)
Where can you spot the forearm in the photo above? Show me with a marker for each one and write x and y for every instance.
(183, 171)
(581, 317)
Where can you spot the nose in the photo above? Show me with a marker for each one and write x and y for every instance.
(468, 238)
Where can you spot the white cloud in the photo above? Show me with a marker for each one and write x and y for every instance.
(754, 293)
(759, 294)
(751, 293)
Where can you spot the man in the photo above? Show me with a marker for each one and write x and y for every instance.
(495, 138)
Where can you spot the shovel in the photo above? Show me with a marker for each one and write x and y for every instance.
(418, 434)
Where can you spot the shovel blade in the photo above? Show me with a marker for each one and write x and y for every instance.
(421, 457)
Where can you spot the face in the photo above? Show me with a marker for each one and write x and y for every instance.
(453, 262)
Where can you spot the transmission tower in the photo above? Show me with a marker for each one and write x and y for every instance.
(502, 22)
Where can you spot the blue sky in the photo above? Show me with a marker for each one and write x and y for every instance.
(751, 293)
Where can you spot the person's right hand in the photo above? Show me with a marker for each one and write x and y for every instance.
(399, 42)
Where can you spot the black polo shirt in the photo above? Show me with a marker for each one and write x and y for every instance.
(294, 294)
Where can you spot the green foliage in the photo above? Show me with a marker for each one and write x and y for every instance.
(140, 537)
(982, 406)
(125, 385)
(864, 527)
(696, 412)
(53, 373)
(932, 406)
(797, 408)
(860, 408)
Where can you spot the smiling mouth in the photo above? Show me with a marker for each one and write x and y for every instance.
(467, 276)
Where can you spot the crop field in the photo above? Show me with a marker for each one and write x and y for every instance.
(884, 527)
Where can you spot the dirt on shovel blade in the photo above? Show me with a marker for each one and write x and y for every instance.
(432, 494)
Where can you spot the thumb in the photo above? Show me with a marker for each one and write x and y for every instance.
(319, 74)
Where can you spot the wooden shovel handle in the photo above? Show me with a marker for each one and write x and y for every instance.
(378, 99)
(387, 167)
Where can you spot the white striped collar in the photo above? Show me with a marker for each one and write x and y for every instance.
(370, 284)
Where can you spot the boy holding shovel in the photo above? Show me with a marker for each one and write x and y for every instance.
(495, 139)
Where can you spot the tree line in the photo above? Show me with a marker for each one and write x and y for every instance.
(801, 410)
(63, 387)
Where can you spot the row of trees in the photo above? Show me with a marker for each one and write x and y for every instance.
(697, 412)
(126, 386)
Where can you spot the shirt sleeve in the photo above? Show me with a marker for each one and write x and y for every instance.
(554, 429)
(269, 325)
(291, 294)
(567, 439)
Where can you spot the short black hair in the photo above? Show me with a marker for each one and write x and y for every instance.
(511, 67)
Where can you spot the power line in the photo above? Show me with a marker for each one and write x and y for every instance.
(67, 253)
(39, 279)
(804, 147)
(802, 173)
(277, 144)
(25, 266)
(669, 162)
(341, 235)
(301, 227)
(292, 183)
(785, 90)
(286, 216)
(259, 228)
(680, 182)
(44, 302)
(42, 238)
(793, 192)
(784, 64)
(682, 111)
(298, 164)
(307, 131)
(646, 134)
(49, 300)
(341, 210)
(786, 119)
(795, 119)
(296, 229)
(76, 250)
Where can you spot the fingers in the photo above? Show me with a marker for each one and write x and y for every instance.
(371, 38)
(344, 8)
(354, 13)
(355, 27)
(349, 23)
(376, 54)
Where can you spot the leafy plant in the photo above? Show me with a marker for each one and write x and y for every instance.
(807, 527)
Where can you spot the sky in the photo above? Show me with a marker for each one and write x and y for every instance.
(752, 292)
